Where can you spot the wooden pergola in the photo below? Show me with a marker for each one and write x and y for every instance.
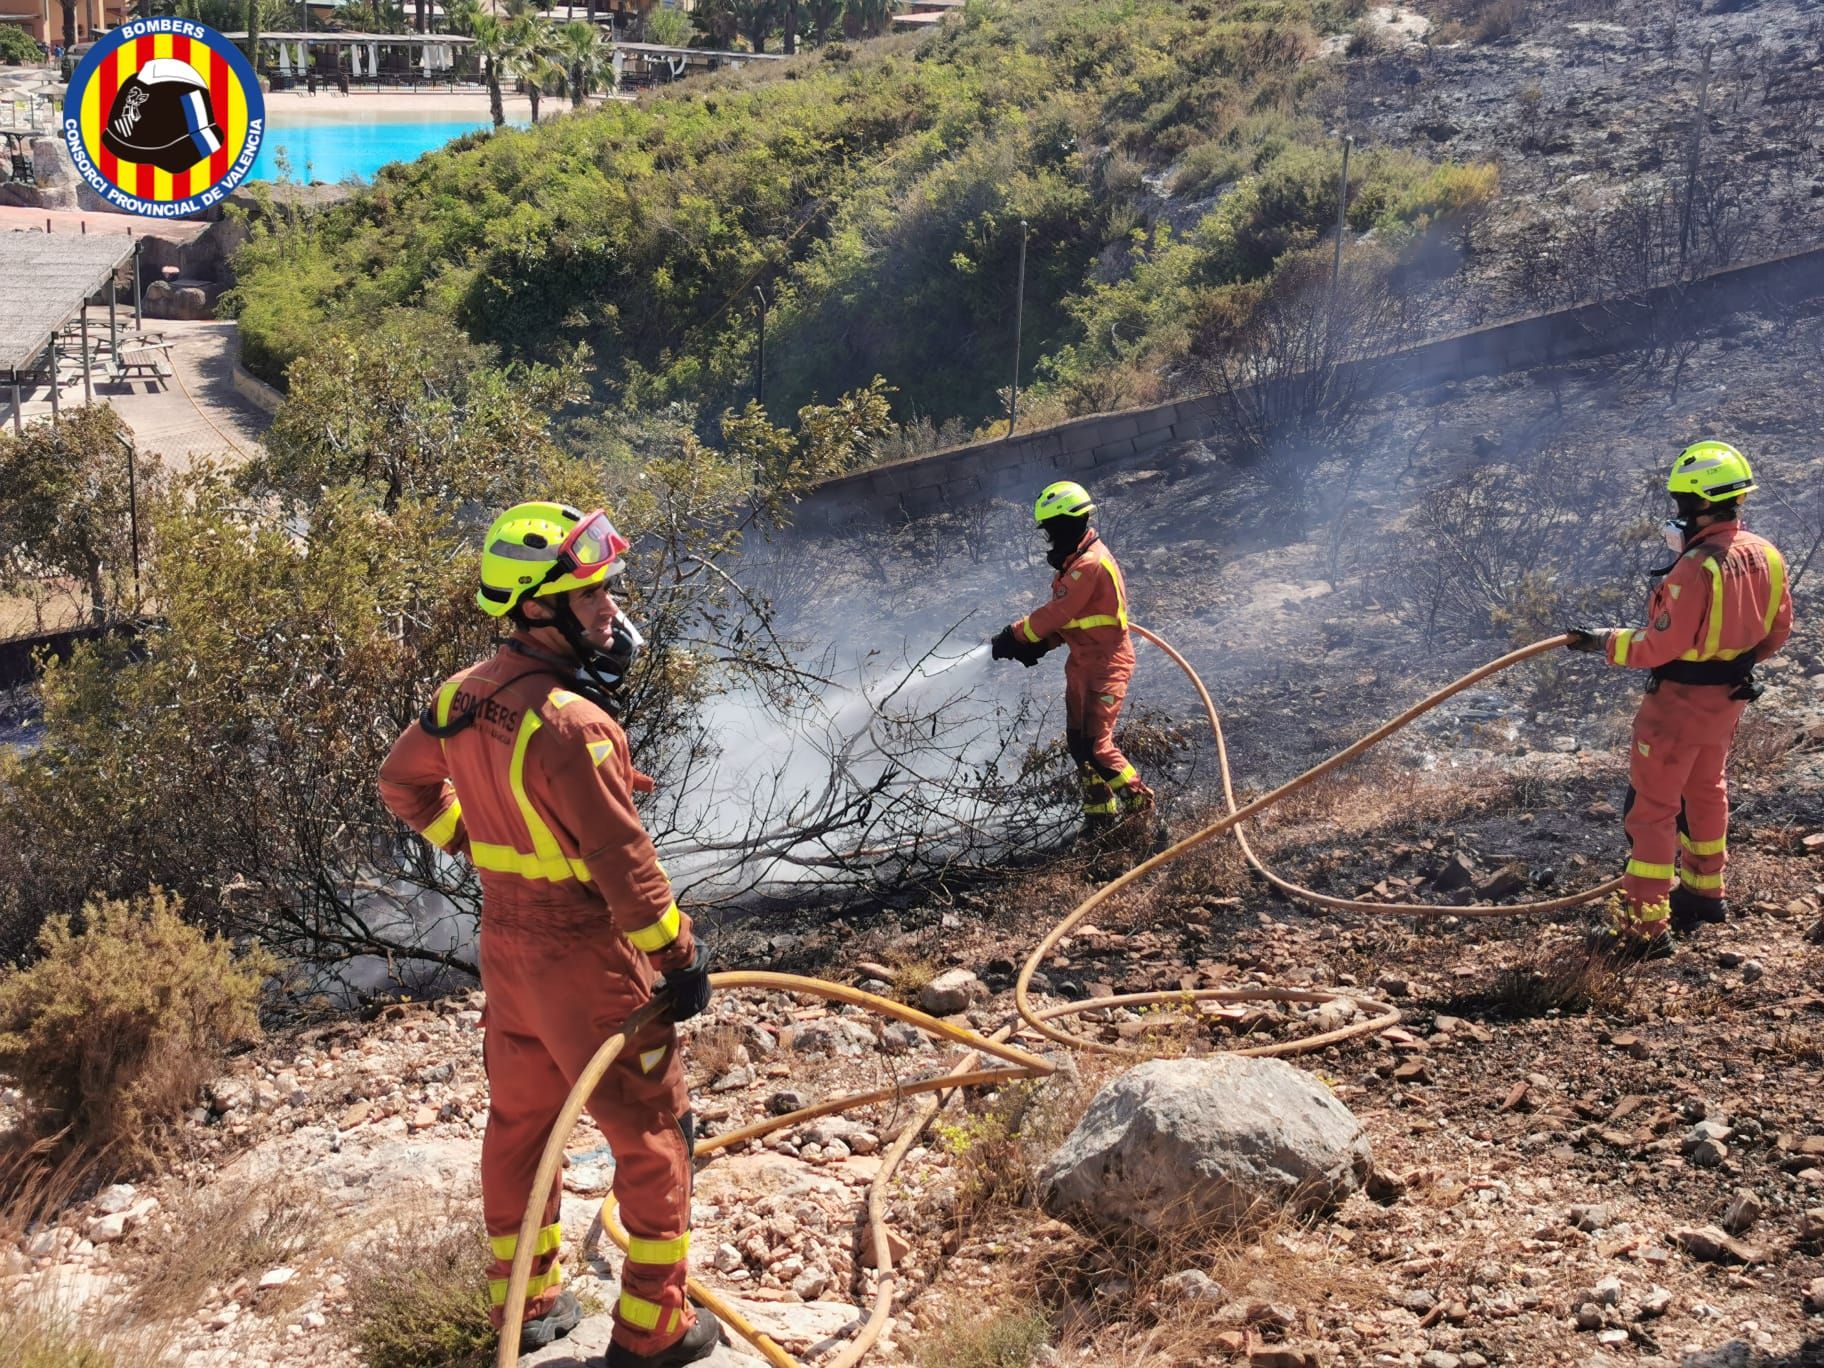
(47, 279)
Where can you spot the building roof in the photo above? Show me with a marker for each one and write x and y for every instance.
(44, 279)
(334, 36)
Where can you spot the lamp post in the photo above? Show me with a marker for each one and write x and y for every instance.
(1019, 320)
(760, 359)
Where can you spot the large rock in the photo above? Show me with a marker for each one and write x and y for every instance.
(1228, 1140)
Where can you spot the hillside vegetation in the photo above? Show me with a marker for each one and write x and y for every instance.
(875, 195)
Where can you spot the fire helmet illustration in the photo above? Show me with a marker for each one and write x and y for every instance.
(162, 116)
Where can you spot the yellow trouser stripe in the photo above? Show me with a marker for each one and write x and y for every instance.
(1716, 847)
(544, 1282)
(1708, 882)
(640, 1313)
(658, 1251)
(1776, 586)
(1109, 806)
(505, 1246)
(1622, 640)
(658, 935)
(1630, 916)
(442, 830)
(1640, 869)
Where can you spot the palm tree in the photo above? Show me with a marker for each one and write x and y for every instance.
(460, 15)
(493, 45)
(584, 55)
(69, 24)
(535, 45)
(870, 17)
(820, 16)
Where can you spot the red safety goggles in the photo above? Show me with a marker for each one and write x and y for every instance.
(592, 544)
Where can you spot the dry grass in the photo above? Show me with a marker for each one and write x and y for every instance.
(36, 1334)
(910, 974)
(1797, 1044)
(217, 1237)
(1558, 978)
(1760, 749)
(419, 1290)
(1283, 1264)
(716, 1049)
(1007, 1336)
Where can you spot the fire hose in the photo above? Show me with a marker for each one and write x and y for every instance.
(1371, 1016)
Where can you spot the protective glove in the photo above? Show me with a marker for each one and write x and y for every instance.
(688, 988)
(1003, 645)
(1586, 639)
(1029, 653)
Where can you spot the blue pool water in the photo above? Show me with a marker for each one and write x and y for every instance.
(334, 151)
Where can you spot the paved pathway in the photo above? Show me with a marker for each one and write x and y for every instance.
(196, 413)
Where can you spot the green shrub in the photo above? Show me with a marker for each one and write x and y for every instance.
(419, 1294)
(16, 46)
(113, 1031)
(1005, 1338)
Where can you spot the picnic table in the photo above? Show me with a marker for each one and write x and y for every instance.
(150, 354)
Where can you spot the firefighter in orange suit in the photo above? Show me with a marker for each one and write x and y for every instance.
(1722, 607)
(1088, 613)
(518, 765)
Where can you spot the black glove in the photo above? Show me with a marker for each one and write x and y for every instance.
(1586, 639)
(688, 988)
(1003, 645)
(1029, 653)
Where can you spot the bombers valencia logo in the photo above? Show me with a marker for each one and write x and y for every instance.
(164, 117)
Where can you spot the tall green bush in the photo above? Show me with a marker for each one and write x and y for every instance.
(125, 1014)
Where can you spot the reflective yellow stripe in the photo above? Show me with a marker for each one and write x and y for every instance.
(439, 832)
(1708, 882)
(600, 750)
(659, 934)
(1123, 779)
(502, 859)
(658, 1251)
(445, 697)
(1630, 917)
(1716, 847)
(1640, 869)
(544, 1282)
(1714, 638)
(1026, 628)
(547, 860)
(1109, 806)
(1776, 585)
(561, 698)
(504, 1246)
(640, 1313)
(1622, 640)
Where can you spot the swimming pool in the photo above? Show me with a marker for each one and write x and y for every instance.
(335, 151)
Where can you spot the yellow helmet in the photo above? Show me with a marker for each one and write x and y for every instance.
(545, 548)
(1713, 471)
(1064, 499)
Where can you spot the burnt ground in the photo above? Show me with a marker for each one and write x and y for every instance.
(1580, 104)
(1522, 1083)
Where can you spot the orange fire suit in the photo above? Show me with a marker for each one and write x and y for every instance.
(1723, 606)
(1088, 613)
(537, 790)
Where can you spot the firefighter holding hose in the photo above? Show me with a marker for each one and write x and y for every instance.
(1087, 613)
(1722, 607)
(518, 765)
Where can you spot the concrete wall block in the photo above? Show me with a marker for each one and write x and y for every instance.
(1108, 451)
(1119, 426)
(1157, 419)
(1151, 441)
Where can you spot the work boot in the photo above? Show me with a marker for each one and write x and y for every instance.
(560, 1320)
(698, 1342)
(1692, 911)
(1095, 826)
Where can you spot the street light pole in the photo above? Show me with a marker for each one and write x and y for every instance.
(1019, 321)
(760, 360)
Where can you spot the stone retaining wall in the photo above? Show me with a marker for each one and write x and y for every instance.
(963, 476)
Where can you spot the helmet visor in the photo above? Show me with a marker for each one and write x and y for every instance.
(592, 545)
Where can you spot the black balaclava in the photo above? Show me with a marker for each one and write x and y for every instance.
(1065, 533)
